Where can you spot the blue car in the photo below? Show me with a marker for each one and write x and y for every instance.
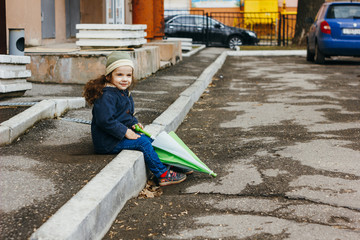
(335, 32)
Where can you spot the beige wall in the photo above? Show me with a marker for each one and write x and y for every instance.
(92, 11)
(177, 4)
(25, 14)
(128, 11)
(60, 24)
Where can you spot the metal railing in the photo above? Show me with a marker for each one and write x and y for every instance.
(286, 28)
(272, 28)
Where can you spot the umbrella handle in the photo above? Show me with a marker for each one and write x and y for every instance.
(139, 129)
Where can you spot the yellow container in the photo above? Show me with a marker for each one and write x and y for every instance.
(260, 11)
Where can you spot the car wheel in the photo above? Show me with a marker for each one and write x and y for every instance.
(309, 55)
(234, 41)
(319, 56)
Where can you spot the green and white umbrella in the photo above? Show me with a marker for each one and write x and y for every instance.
(173, 151)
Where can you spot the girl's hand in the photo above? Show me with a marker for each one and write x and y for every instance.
(130, 134)
(140, 125)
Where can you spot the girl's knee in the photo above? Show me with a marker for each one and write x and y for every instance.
(144, 141)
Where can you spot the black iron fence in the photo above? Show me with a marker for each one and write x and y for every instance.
(286, 29)
(272, 28)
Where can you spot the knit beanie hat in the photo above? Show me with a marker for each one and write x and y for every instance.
(117, 59)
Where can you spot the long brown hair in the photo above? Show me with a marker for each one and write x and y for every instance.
(94, 88)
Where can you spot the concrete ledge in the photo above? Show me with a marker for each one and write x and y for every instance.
(169, 51)
(13, 75)
(133, 27)
(186, 43)
(17, 125)
(12, 59)
(80, 67)
(110, 35)
(110, 42)
(147, 61)
(11, 86)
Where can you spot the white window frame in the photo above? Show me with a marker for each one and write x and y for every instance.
(115, 12)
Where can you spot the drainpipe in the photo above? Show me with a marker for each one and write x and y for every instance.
(159, 23)
(2, 27)
(151, 13)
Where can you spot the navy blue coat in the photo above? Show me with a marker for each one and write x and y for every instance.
(113, 114)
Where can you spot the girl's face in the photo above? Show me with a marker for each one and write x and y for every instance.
(121, 77)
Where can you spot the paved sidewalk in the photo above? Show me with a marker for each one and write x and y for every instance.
(49, 164)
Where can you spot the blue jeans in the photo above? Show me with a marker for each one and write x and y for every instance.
(143, 144)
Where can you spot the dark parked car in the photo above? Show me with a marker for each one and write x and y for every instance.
(335, 32)
(200, 27)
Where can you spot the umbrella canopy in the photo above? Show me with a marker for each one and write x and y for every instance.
(173, 151)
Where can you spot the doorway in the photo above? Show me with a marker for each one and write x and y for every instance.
(72, 11)
(48, 18)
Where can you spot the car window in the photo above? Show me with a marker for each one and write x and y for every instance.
(184, 20)
(200, 20)
(320, 12)
(213, 22)
(343, 11)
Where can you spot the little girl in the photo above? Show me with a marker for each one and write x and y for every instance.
(113, 117)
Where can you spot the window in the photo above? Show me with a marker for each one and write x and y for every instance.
(185, 20)
(200, 21)
(115, 12)
(343, 11)
(214, 22)
(320, 13)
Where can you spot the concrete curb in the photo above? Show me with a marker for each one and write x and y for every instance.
(17, 125)
(192, 52)
(268, 53)
(91, 212)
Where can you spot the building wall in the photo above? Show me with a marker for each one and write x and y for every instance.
(177, 4)
(289, 3)
(128, 12)
(60, 24)
(25, 14)
(92, 11)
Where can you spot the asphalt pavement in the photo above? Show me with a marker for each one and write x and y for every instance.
(44, 168)
(283, 136)
(273, 128)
